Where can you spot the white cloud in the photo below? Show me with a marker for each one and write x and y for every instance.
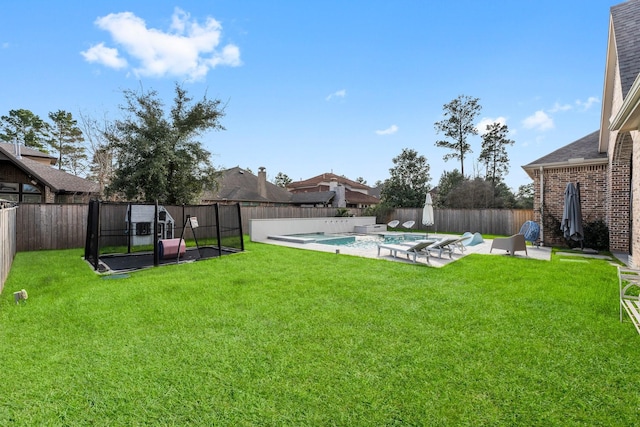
(560, 107)
(188, 49)
(388, 131)
(337, 94)
(539, 121)
(104, 55)
(590, 102)
(481, 127)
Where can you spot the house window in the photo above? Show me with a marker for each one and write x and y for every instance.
(16, 192)
(30, 194)
(10, 191)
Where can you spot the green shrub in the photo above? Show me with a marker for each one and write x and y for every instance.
(596, 235)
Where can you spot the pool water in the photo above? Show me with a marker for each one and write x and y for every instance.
(349, 240)
(371, 242)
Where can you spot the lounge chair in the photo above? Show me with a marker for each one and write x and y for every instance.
(393, 224)
(408, 224)
(447, 244)
(418, 249)
(510, 244)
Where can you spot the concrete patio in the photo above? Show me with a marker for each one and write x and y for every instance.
(484, 248)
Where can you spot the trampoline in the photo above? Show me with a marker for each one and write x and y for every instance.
(121, 239)
(118, 263)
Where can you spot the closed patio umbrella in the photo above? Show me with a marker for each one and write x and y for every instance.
(571, 224)
(427, 212)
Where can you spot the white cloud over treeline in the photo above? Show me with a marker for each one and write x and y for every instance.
(187, 49)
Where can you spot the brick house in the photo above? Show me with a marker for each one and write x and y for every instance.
(356, 195)
(606, 163)
(580, 162)
(238, 185)
(29, 176)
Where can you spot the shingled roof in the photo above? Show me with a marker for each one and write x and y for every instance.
(313, 197)
(584, 150)
(28, 152)
(625, 18)
(241, 185)
(59, 181)
(326, 177)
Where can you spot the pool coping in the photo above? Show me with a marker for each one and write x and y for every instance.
(484, 248)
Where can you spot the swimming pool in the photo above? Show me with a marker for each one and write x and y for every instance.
(337, 239)
(359, 241)
(372, 241)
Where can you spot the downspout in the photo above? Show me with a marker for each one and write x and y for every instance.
(542, 204)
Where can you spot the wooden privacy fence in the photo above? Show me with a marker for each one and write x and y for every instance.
(64, 226)
(484, 221)
(7, 241)
(51, 226)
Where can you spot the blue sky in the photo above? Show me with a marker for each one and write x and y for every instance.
(320, 86)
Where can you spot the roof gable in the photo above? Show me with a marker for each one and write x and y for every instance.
(27, 152)
(327, 177)
(625, 19)
(57, 180)
(582, 150)
(241, 185)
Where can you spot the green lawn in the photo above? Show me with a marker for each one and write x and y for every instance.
(283, 337)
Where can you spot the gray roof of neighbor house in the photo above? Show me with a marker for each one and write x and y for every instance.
(313, 197)
(238, 184)
(626, 24)
(57, 180)
(28, 152)
(584, 150)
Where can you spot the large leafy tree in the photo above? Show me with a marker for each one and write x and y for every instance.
(449, 180)
(26, 128)
(525, 195)
(157, 157)
(66, 139)
(494, 152)
(409, 181)
(456, 126)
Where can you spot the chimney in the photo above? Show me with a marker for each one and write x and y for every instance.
(333, 184)
(340, 199)
(262, 182)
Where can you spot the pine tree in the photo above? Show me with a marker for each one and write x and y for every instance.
(66, 139)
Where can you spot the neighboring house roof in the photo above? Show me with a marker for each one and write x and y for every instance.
(57, 180)
(376, 192)
(580, 152)
(313, 197)
(326, 177)
(29, 152)
(625, 18)
(355, 197)
(241, 185)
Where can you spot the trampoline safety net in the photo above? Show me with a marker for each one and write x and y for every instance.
(125, 236)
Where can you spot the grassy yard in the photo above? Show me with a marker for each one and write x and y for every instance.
(283, 337)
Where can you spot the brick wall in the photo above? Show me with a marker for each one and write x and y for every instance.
(592, 180)
(635, 230)
(619, 196)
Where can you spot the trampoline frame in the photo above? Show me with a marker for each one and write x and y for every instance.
(227, 223)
